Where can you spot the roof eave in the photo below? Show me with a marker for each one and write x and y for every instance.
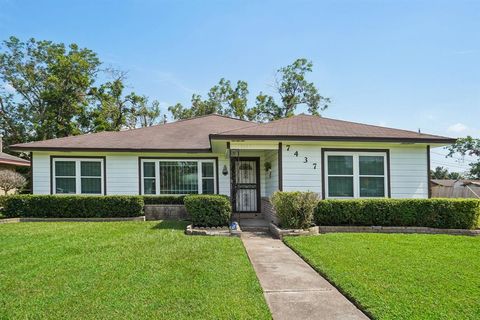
(81, 149)
(330, 138)
(15, 163)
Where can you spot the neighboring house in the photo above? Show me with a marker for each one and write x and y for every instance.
(449, 188)
(245, 160)
(9, 162)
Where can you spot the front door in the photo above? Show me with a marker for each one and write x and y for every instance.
(246, 184)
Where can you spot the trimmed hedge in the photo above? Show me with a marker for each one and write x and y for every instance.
(163, 199)
(208, 210)
(295, 209)
(434, 213)
(54, 206)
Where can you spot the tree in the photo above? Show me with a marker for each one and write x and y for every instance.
(49, 85)
(114, 110)
(11, 180)
(443, 173)
(50, 90)
(471, 147)
(290, 85)
(222, 99)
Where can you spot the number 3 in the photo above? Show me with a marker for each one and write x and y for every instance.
(306, 160)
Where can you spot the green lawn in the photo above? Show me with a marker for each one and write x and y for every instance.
(398, 276)
(130, 270)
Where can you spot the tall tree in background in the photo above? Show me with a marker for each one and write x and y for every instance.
(443, 173)
(45, 88)
(221, 99)
(471, 147)
(113, 109)
(49, 90)
(290, 85)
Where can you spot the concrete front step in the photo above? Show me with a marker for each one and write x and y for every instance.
(247, 215)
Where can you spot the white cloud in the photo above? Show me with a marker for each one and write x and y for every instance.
(457, 128)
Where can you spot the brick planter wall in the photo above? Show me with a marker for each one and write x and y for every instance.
(165, 212)
(269, 212)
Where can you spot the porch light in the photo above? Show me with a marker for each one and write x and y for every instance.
(225, 170)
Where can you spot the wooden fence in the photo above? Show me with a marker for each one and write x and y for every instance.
(468, 191)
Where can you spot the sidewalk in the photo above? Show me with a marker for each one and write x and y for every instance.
(294, 290)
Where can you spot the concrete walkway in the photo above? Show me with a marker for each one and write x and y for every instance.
(294, 290)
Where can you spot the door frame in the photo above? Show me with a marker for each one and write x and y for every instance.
(232, 182)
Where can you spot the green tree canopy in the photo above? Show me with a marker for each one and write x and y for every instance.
(50, 90)
(471, 147)
(291, 87)
(443, 173)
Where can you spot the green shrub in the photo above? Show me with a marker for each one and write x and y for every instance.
(163, 199)
(434, 213)
(295, 209)
(208, 210)
(65, 206)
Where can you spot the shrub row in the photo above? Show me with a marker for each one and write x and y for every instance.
(434, 213)
(209, 210)
(295, 209)
(52, 206)
(163, 199)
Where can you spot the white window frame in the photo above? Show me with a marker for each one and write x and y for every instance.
(356, 172)
(199, 162)
(78, 175)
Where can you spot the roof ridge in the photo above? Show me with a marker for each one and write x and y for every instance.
(383, 127)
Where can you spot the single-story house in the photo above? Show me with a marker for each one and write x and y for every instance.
(245, 160)
(9, 162)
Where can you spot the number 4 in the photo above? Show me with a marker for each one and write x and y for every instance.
(296, 154)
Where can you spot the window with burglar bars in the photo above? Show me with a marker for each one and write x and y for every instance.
(178, 177)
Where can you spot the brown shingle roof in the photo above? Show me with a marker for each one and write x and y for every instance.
(9, 159)
(194, 134)
(308, 127)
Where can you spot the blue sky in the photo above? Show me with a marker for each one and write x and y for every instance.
(403, 64)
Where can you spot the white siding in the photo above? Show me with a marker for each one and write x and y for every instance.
(408, 168)
(121, 170)
(271, 180)
(299, 175)
(41, 173)
(408, 172)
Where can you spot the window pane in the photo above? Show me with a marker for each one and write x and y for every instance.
(340, 186)
(371, 165)
(149, 169)
(149, 186)
(372, 187)
(208, 186)
(65, 168)
(207, 169)
(91, 185)
(65, 185)
(340, 165)
(91, 168)
(178, 177)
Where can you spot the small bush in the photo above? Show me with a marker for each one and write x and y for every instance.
(64, 206)
(163, 199)
(434, 213)
(208, 210)
(295, 209)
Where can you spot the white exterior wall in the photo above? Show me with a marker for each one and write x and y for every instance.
(271, 179)
(408, 168)
(122, 174)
